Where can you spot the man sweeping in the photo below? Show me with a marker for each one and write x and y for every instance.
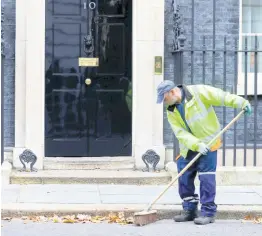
(192, 117)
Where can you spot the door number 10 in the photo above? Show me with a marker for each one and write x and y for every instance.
(91, 5)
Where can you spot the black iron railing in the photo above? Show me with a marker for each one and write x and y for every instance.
(232, 63)
(235, 69)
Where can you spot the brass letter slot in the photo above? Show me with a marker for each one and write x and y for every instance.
(87, 61)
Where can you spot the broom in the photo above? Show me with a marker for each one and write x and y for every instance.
(148, 216)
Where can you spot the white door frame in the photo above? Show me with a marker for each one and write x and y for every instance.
(147, 116)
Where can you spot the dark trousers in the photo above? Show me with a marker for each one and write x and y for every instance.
(205, 166)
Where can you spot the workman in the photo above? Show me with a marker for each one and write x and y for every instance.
(194, 122)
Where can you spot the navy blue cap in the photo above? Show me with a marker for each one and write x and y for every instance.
(164, 87)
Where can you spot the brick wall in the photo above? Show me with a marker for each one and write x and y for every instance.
(8, 30)
(227, 24)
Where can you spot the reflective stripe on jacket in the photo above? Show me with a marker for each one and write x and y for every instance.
(200, 115)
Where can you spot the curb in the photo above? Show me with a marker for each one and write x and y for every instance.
(227, 212)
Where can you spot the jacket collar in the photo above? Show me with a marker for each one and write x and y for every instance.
(188, 96)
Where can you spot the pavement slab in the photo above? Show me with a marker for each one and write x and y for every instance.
(138, 199)
(59, 197)
(123, 190)
(239, 199)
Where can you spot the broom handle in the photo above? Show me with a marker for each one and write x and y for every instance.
(194, 159)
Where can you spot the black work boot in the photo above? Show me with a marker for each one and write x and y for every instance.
(204, 220)
(186, 216)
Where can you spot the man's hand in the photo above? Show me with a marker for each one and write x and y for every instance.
(247, 109)
(203, 148)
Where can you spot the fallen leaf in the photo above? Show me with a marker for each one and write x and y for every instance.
(258, 220)
(56, 219)
(81, 217)
(121, 215)
(254, 219)
(97, 219)
(248, 218)
(69, 217)
(68, 221)
(35, 218)
(112, 218)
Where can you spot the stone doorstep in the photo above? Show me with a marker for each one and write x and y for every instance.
(86, 163)
(89, 177)
(163, 211)
(225, 176)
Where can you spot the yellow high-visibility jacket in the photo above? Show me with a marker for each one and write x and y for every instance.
(200, 115)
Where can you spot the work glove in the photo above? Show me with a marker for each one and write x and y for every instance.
(247, 109)
(203, 148)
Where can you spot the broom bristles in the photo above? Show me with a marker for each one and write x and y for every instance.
(143, 218)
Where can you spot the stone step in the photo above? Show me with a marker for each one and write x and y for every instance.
(90, 177)
(89, 163)
(227, 176)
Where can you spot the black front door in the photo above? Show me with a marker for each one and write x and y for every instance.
(88, 107)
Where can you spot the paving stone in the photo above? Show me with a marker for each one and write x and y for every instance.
(239, 199)
(62, 187)
(136, 190)
(236, 189)
(10, 195)
(139, 199)
(69, 197)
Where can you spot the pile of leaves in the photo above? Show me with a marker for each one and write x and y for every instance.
(254, 219)
(111, 218)
(118, 218)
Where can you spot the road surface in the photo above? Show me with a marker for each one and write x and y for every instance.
(160, 228)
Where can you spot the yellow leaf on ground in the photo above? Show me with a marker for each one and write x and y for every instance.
(121, 215)
(69, 217)
(56, 219)
(68, 221)
(258, 220)
(112, 218)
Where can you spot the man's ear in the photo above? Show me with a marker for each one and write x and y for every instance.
(175, 91)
